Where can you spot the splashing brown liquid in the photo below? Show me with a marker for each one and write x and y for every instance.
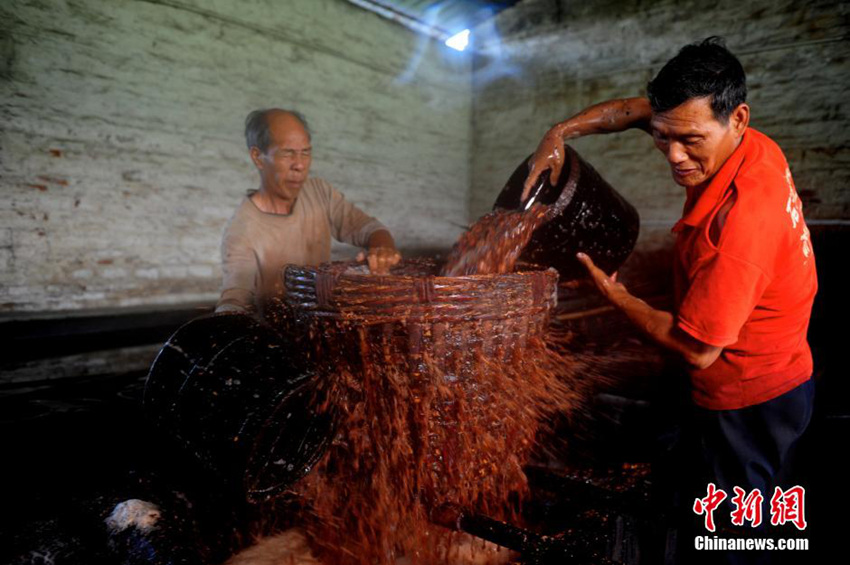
(493, 244)
(411, 440)
(440, 397)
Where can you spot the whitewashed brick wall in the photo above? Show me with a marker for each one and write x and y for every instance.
(558, 57)
(121, 152)
(121, 148)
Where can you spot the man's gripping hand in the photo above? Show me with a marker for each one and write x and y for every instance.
(380, 259)
(548, 156)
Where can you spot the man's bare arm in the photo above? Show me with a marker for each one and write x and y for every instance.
(657, 324)
(605, 117)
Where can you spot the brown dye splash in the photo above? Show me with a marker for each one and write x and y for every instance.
(456, 431)
(432, 413)
(433, 408)
(493, 244)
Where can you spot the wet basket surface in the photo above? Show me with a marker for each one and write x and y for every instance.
(432, 378)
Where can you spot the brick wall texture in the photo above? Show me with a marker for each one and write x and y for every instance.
(121, 146)
(548, 59)
(121, 151)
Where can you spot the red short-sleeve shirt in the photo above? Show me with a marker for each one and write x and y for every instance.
(750, 290)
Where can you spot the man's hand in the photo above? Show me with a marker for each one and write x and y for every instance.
(548, 156)
(657, 324)
(380, 259)
(382, 253)
(606, 117)
(609, 287)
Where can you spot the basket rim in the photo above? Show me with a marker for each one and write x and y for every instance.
(337, 269)
(327, 290)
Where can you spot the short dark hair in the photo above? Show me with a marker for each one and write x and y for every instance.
(257, 127)
(700, 69)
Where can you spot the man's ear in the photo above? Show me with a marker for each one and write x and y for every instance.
(740, 119)
(257, 158)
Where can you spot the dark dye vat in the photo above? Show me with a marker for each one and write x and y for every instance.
(586, 214)
(231, 390)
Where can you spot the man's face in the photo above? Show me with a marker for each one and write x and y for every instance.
(286, 164)
(695, 144)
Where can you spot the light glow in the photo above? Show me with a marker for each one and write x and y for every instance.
(459, 41)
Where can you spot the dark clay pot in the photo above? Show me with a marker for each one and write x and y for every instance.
(586, 215)
(227, 388)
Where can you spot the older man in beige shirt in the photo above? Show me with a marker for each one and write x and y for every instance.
(290, 219)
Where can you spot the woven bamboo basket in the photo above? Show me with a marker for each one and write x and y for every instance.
(413, 312)
(429, 378)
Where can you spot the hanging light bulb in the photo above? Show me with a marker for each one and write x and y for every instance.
(459, 41)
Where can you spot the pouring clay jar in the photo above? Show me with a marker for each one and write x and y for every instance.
(585, 215)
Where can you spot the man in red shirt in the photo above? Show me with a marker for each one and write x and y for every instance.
(744, 270)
